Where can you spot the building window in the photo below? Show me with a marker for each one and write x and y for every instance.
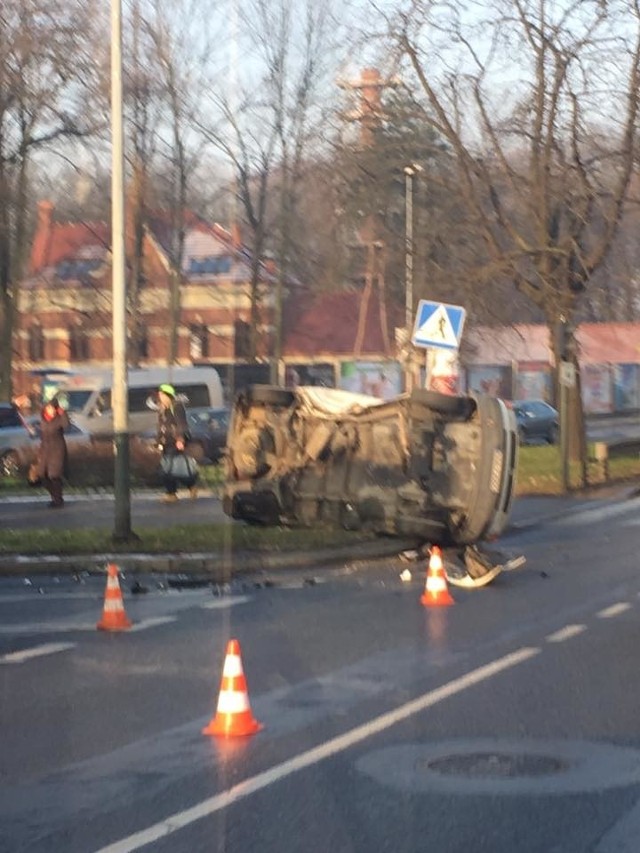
(242, 342)
(198, 341)
(78, 344)
(143, 343)
(36, 343)
(211, 265)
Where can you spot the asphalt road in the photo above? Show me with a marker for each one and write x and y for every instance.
(508, 721)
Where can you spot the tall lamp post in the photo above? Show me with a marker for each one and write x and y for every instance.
(409, 173)
(122, 526)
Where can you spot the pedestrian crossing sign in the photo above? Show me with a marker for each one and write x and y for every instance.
(438, 325)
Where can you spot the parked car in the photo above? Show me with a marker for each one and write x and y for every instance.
(208, 429)
(536, 420)
(17, 441)
(208, 434)
(423, 464)
(75, 437)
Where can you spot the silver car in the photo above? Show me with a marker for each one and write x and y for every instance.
(18, 442)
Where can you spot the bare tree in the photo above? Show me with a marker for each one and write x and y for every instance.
(265, 128)
(47, 69)
(538, 102)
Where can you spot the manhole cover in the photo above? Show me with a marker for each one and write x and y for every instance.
(494, 765)
(503, 766)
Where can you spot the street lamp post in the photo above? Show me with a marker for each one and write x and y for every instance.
(122, 525)
(409, 173)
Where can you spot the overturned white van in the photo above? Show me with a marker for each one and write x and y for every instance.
(422, 465)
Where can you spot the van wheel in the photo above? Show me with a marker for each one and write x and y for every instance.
(444, 404)
(270, 395)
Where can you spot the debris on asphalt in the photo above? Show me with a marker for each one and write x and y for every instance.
(138, 589)
(405, 576)
(409, 556)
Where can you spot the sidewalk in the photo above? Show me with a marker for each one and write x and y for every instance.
(527, 512)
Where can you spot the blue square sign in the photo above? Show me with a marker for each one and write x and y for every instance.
(438, 325)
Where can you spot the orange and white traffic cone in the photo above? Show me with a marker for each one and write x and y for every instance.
(113, 616)
(233, 715)
(436, 592)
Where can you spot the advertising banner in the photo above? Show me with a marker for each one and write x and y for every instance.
(382, 379)
(322, 375)
(596, 388)
(443, 374)
(626, 386)
(533, 381)
(494, 380)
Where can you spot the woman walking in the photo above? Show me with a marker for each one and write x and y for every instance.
(52, 455)
(173, 434)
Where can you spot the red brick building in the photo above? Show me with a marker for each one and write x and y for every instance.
(63, 317)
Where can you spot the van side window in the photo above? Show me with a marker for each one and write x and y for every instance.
(197, 395)
(138, 398)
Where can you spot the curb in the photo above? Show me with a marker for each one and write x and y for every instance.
(217, 568)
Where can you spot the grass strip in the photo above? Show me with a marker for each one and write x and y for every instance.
(215, 538)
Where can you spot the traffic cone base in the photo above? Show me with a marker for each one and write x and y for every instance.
(114, 617)
(436, 593)
(233, 717)
(233, 725)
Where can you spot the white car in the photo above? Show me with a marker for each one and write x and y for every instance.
(424, 464)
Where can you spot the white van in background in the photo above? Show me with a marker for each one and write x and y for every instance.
(87, 396)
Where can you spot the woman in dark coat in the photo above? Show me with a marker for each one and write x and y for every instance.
(173, 435)
(52, 456)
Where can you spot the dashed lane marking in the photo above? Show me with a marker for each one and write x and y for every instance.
(36, 652)
(565, 633)
(220, 603)
(46, 628)
(614, 610)
(70, 626)
(151, 623)
(600, 513)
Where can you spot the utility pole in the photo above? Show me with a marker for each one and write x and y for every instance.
(566, 381)
(368, 114)
(122, 529)
(409, 174)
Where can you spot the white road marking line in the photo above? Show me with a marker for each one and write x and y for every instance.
(35, 652)
(565, 633)
(48, 595)
(151, 623)
(70, 626)
(600, 513)
(219, 603)
(47, 628)
(313, 756)
(614, 610)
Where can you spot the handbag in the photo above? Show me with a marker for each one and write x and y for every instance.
(181, 467)
(33, 478)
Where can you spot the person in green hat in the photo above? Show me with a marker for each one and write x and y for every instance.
(172, 438)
